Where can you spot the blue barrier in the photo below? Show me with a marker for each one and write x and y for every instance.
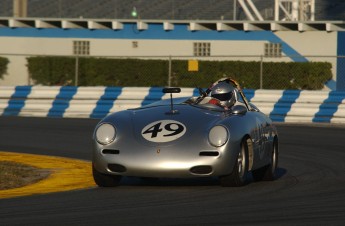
(61, 102)
(284, 104)
(250, 93)
(329, 107)
(155, 94)
(97, 102)
(106, 102)
(17, 100)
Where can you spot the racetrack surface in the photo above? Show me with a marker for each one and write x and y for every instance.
(310, 189)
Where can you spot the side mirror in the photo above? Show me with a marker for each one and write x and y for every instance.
(171, 90)
(239, 110)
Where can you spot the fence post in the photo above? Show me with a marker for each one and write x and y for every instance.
(261, 71)
(76, 70)
(169, 73)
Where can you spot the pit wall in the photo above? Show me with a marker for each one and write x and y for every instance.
(96, 102)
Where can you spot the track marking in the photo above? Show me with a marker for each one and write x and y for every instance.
(66, 174)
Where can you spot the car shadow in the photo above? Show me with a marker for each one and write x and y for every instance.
(280, 172)
(201, 181)
(134, 181)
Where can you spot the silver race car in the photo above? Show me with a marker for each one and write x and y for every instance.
(217, 134)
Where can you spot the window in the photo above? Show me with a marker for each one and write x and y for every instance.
(81, 47)
(273, 49)
(202, 49)
(135, 44)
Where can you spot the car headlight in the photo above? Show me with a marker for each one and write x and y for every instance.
(218, 136)
(105, 133)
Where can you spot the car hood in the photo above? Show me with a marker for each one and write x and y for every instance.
(159, 125)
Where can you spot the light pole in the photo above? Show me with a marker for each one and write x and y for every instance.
(234, 9)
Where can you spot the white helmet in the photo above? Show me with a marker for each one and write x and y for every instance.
(225, 93)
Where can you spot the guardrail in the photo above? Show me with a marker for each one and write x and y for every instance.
(97, 102)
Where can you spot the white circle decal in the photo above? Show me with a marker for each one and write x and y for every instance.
(163, 131)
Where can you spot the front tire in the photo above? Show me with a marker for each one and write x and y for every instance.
(238, 176)
(268, 172)
(105, 180)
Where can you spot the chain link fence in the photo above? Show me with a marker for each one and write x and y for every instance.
(141, 9)
(252, 72)
(159, 9)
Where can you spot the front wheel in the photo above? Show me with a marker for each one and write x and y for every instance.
(238, 176)
(268, 172)
(105, 180)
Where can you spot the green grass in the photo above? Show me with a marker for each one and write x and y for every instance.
(14, 175)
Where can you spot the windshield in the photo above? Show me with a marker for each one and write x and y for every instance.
(204, 103)
(191, 101)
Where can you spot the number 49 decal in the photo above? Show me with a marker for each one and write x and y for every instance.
(163, 131)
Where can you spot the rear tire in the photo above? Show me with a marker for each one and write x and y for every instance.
(238, 176)
(268, 172)
(105, 180)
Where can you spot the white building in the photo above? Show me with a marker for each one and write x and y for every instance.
(276, 41)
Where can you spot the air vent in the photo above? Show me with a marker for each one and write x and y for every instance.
(117, 168)
(201, 170)
(110, 151)
(209, 153)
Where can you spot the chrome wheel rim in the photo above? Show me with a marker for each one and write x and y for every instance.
(274, 158)
(241, 162)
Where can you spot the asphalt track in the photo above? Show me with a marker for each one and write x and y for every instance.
(310, 189)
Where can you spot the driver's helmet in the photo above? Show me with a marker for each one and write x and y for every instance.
(225, 93)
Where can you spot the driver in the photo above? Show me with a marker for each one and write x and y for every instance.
(223, 95)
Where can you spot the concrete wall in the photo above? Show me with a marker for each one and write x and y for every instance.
(316, 46)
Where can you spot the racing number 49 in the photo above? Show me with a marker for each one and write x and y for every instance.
(169, 129)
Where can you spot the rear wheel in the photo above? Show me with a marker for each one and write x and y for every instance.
(105, 180)
(268, 172)
(238, 177)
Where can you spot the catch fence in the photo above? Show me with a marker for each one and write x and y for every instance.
(252, 72)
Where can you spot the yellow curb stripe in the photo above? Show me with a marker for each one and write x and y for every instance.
(66, 174)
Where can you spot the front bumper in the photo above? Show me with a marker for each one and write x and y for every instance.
(170, 162)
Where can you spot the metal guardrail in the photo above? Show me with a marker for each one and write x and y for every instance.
(97, 102)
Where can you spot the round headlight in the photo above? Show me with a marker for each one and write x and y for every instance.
(218, 136)
(105, 133)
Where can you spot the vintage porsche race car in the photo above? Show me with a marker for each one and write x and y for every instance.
(185, 138)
